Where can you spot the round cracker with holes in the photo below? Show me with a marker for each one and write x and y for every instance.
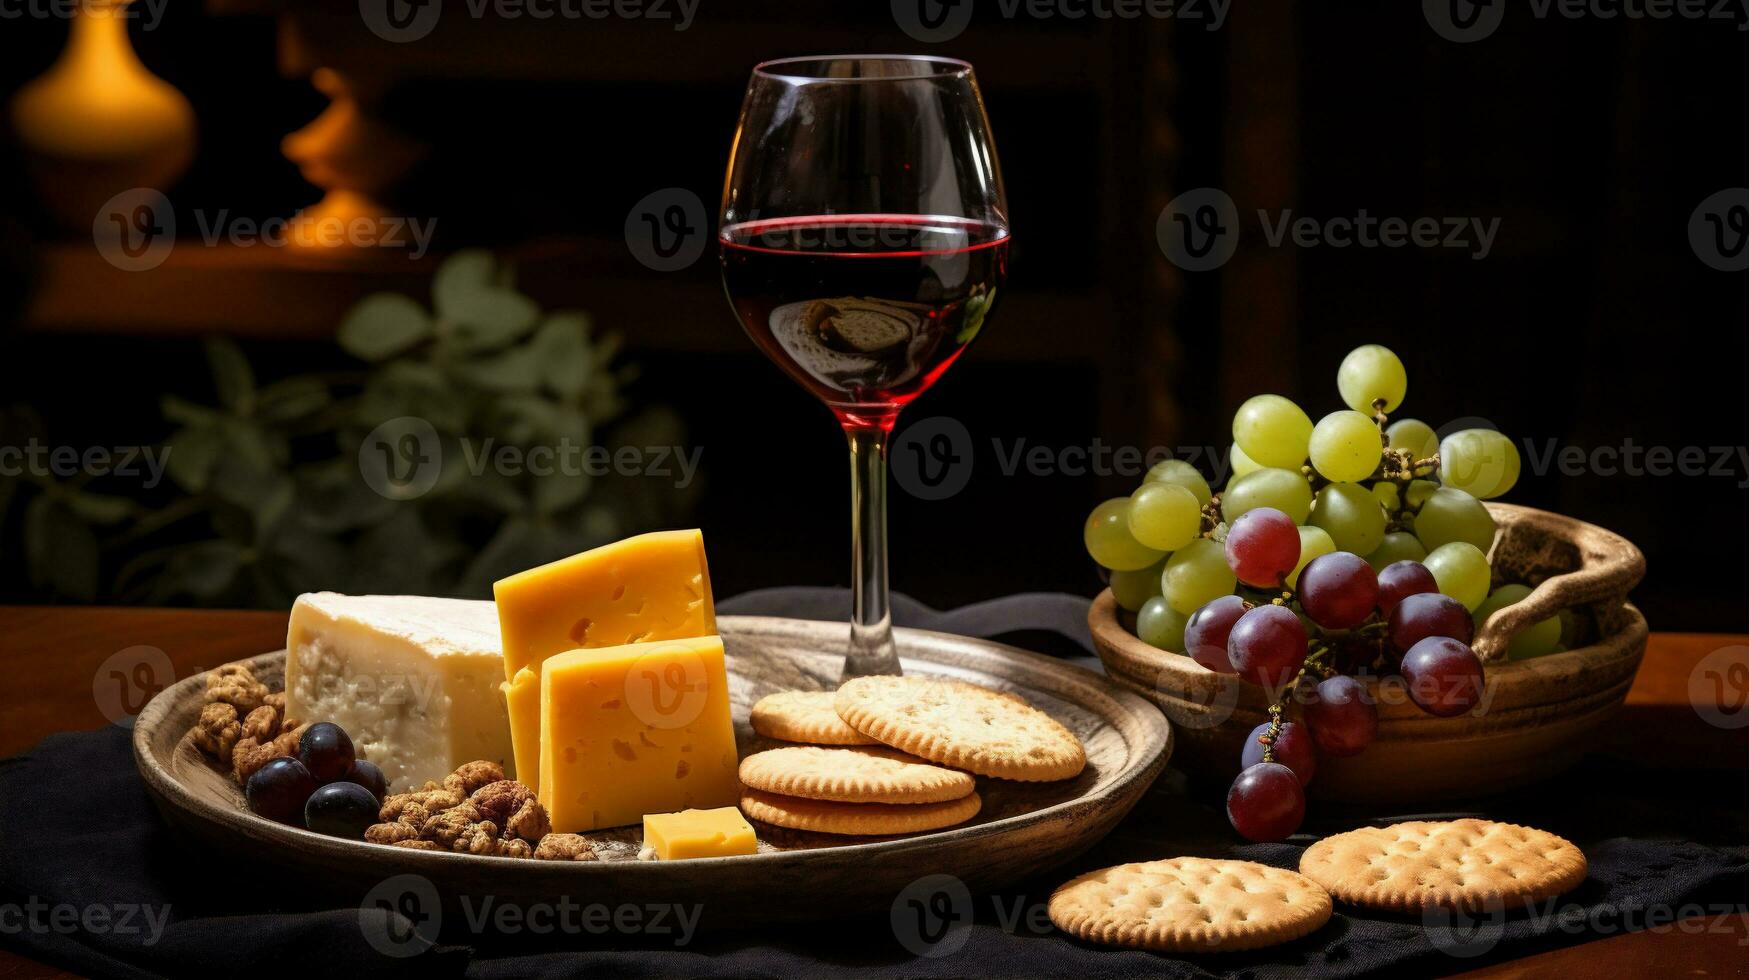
(1190, 905)
(962, 725)
(852, 774)
(804, 716)
(1456, 864)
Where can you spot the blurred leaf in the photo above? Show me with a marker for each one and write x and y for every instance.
(557, 491)
(563, 343)
(487, 319)
(184, 412)
(95, 508)
(293, 398)
(334, 498)
(383, 325)
(232, 378)
(61, 551)
(517, 369)
(189, 457)
(466, 272)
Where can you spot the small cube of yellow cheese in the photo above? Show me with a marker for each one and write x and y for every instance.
(635, 729)
(699, 833)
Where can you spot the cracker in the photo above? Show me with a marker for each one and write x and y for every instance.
(962, 725)
(852, 775)
(804, 716)
(862, 819)
(1456, 864)
(1190, 905)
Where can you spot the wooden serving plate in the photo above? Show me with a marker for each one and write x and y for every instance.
(1536, 720)
(1022, 829)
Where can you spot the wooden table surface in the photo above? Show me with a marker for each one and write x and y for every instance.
(50, 681)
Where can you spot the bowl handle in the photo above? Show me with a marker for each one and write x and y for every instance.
(1609, 567)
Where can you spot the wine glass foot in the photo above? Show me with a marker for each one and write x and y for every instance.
(871, 652)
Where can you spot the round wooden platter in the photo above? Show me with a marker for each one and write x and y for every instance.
(1022, 829)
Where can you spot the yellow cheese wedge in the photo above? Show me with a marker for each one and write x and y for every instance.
(699, 833)
(649, 587)
(635, 729)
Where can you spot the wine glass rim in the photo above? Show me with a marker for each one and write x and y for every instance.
(769, 69)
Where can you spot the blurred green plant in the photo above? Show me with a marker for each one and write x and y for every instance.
(269, 498)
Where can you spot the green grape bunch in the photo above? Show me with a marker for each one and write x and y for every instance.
(1356, 480)
(1352, 547)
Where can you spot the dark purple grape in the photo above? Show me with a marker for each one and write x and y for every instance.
(326, 750)
(1267, 645)
(1293, 749)
(279, 790)
(1444, 676)
(1266, 802)
(1401, 579)
(341, 810)
(1426, 614)
(1205, 634)
(1342, 716)
(365, 773)
(1338, 590)
(1263, 546)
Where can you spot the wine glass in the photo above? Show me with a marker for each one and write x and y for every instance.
(864, 238)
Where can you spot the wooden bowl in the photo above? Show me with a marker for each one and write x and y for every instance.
(1536, 715)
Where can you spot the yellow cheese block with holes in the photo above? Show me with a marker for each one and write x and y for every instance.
(699, 834)
(635, 729)
(649, 587)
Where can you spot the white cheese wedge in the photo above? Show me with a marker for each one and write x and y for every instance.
(414, 680)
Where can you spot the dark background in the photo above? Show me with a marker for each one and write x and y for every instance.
(1592, 322)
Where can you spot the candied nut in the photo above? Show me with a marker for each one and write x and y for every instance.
(234, 685)
(515, 848)
(262, 723)
(217, 731)
(470, 776)
(390, 833)
(450, 826)
(478, 838)
(249, 756)
(529, 822)
(285, 721)
(564, 847)
(414, 844)
(404, 809)
(496, 801)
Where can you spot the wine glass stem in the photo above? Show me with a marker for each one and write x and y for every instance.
(871, 622)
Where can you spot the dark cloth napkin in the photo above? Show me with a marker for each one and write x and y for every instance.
(91, 881)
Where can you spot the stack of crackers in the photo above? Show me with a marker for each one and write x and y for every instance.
(896, 755)
(1192, 904)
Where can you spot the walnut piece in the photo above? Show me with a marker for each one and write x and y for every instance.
(512, 806)
(417, 845)
(564, 847)
(470, 776)
(451, 825)
(391, 833)
(262, 723)
(251, 754)
(234, 685)
(217, 731)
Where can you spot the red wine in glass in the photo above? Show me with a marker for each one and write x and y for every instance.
(865, 311)
(864, 236)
